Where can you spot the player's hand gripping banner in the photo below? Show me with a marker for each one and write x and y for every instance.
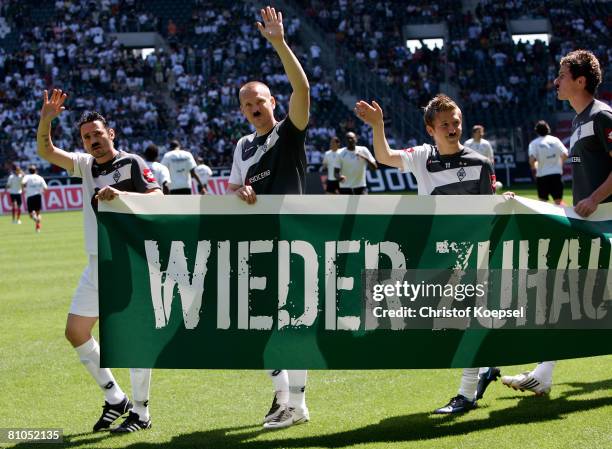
(351, 282)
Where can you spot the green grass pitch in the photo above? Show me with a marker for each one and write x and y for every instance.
(43, 385)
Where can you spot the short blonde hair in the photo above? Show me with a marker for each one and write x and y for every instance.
(439, 103)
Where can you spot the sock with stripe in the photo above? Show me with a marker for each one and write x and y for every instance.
(89, 354)
(297, 388)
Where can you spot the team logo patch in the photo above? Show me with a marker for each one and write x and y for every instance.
(609, 135)
(461, 174)
(408, 150)
(116, 176)
(148, 175)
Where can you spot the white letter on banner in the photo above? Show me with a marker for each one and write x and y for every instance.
(243, 285)
(589, 282)
(482, 276)
(190, 291)
(349, 323)
(538, 281)
(246, 283)
(398, 262)
(330, 286)
(311, 281)
(568, 260)
(223, 284)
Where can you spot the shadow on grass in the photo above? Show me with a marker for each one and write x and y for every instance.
(406, 428)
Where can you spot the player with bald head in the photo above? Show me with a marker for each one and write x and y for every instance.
(272, 160)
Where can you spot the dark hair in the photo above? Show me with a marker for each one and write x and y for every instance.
(151, 153)
(439, 103)
(477, 128)
(174, 144)
(91, 116)
(32, 169)
(542, 128)
(584, 63)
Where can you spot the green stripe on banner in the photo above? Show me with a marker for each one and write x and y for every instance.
(210, 282)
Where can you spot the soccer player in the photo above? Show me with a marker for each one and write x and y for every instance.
(590, 154)
(106, 173)
(546, 156)
(446, 168)
(272, 160)
(351, 167)
(14, 189)
(34, 186)
(181, 165)
(330, 162)
(204, 173)
(479, 144)
(160, 171)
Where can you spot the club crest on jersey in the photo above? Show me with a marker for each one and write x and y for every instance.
(609, 135)
(116, 176)
(461, 174)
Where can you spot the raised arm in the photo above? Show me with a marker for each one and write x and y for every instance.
(51, 108)
(373, 116)
(272, 30)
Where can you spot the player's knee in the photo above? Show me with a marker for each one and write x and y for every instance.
(75, 334)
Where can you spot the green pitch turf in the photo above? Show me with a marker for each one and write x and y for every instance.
(43, 385)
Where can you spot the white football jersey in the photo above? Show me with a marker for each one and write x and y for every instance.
(34, 185)
(160, 172)
(547, 150)
(331, 162)
(179, 163)
(204, 172)
(13, 184)
(483, 147)
(353, 166)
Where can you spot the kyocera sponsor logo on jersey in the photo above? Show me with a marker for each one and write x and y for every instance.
(258, 177)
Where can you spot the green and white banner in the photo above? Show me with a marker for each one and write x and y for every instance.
(344, 282)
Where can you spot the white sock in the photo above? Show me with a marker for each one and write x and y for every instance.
(469, 383)
(297, 388)
(482, 370)
(543, 371)
(141, 382)
(89, 354)
(280, 380)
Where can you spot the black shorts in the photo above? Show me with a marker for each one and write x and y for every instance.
(332, 186)
(550, 185)
(185, 191)
(16, 198)
(353, 191)
(34, 203)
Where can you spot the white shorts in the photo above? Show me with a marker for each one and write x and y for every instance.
(85, 299)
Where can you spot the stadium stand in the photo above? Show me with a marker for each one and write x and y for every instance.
(187, 88)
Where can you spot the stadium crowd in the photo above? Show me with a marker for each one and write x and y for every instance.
(188, 90)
